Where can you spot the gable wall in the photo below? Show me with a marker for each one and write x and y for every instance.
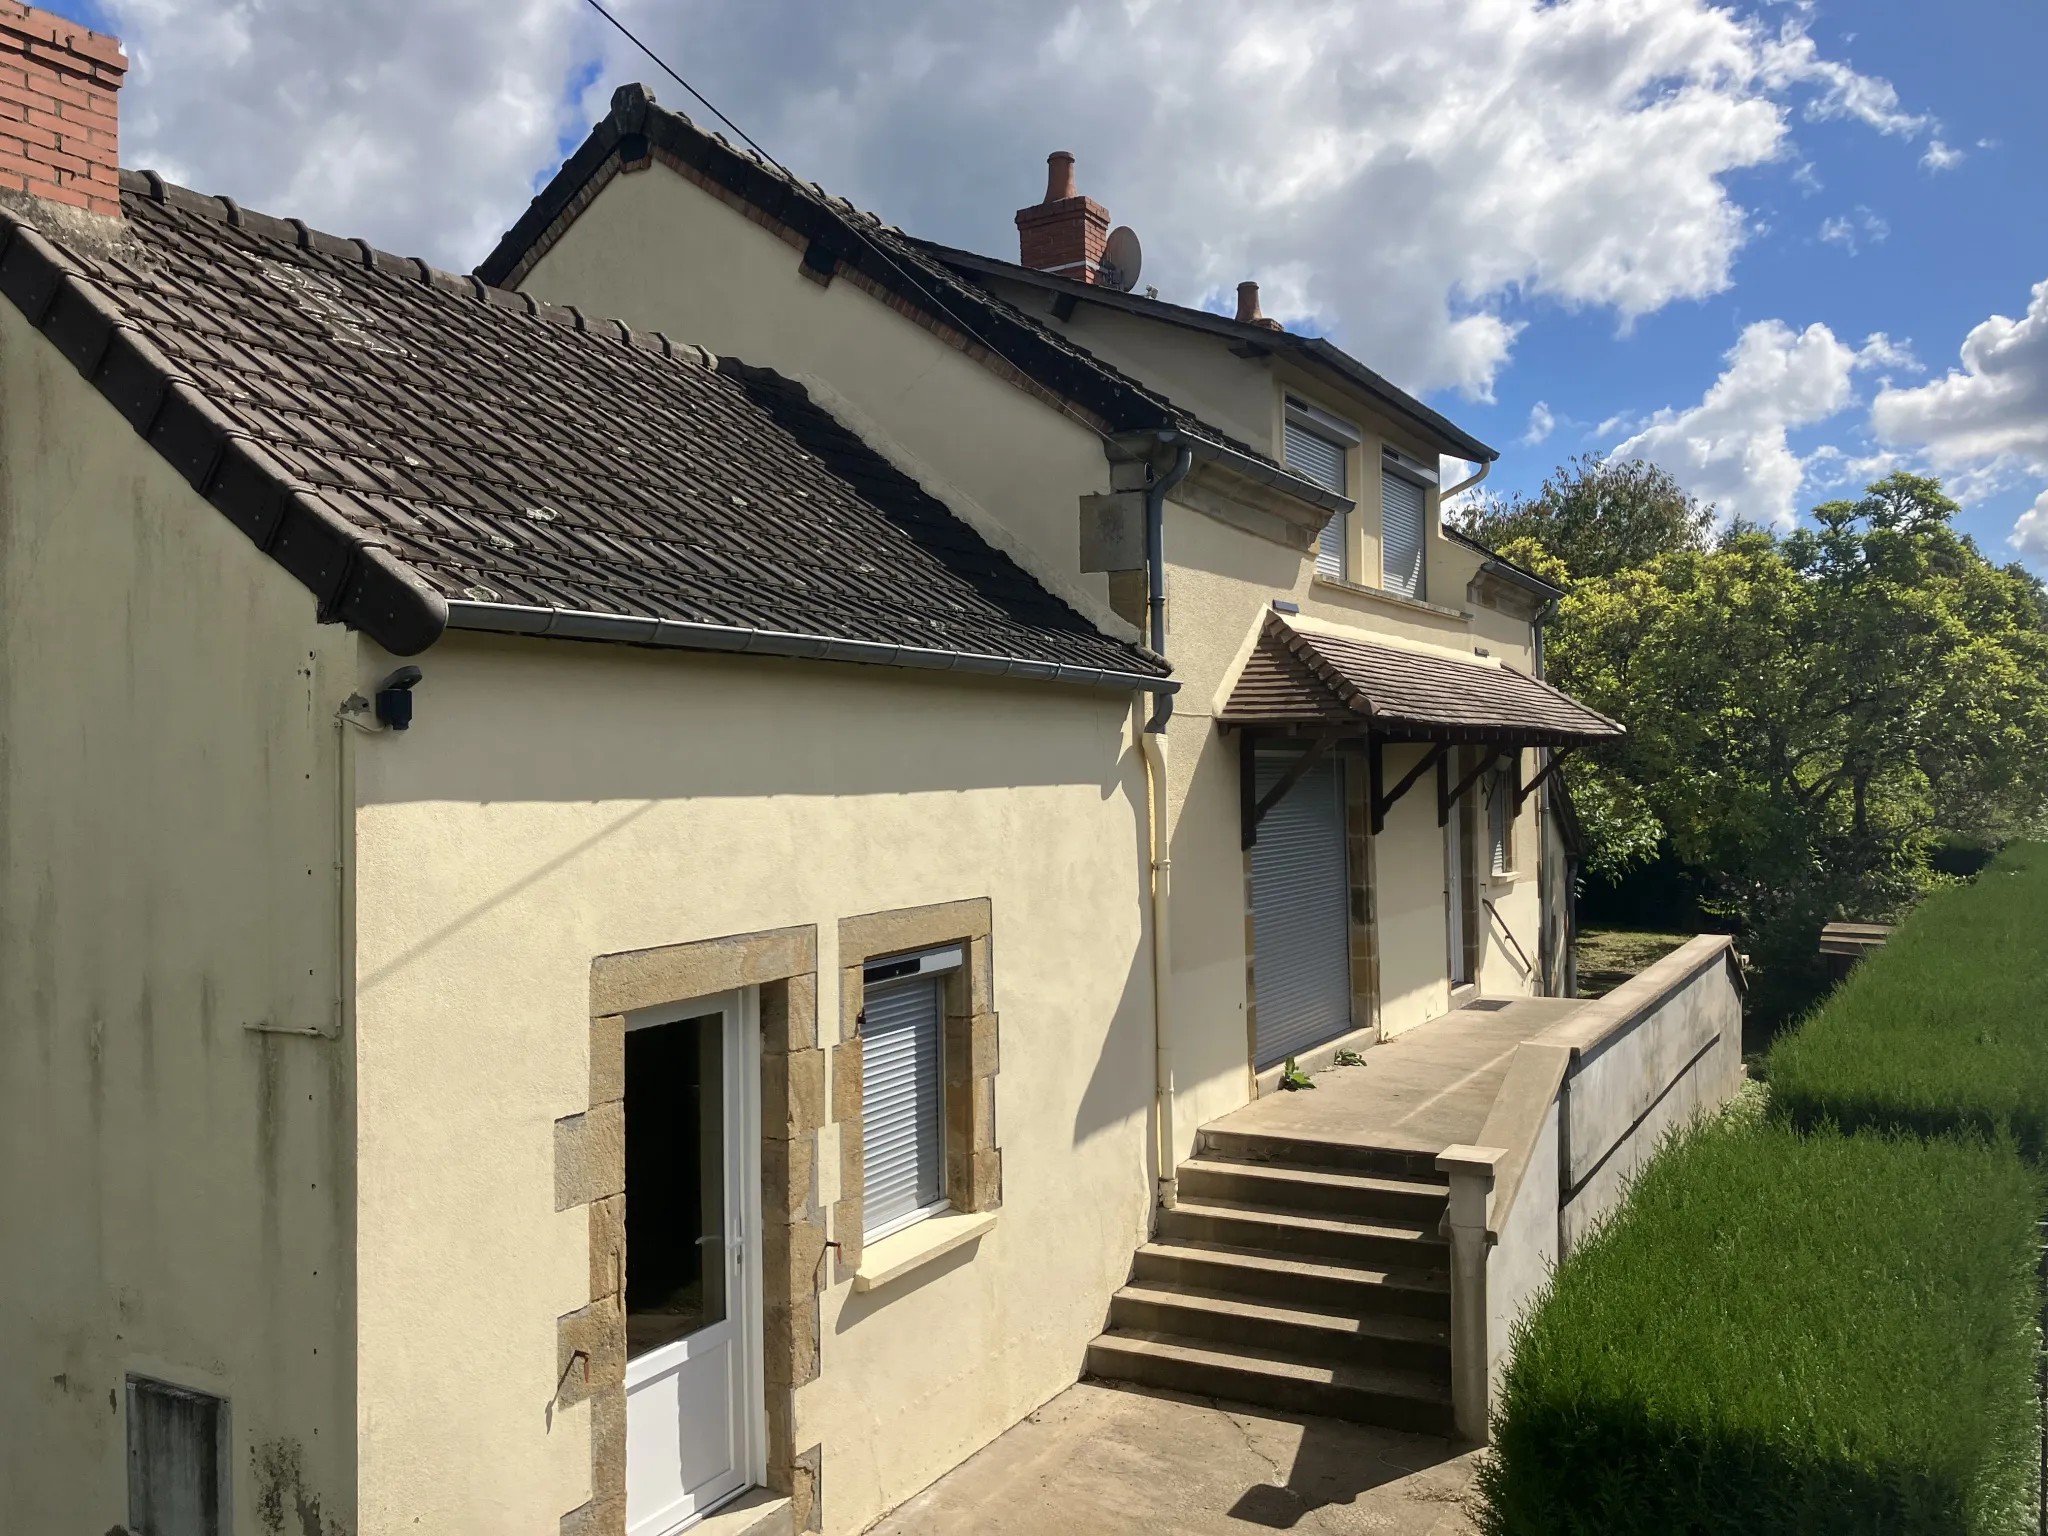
(658, 252)
(175, 1187)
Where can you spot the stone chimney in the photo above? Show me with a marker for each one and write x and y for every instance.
(59, 132)
(1248, 308)
(1064, 234)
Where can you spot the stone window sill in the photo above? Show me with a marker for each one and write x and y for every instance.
(1391, 599)
(916, 1246)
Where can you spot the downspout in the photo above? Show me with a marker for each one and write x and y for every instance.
(1152, 742)
(1485, 469)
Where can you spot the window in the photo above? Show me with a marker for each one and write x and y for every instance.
(903, 1089)
(1500, 821)
(1316, 445)
(177, 1460)
(1404, 529)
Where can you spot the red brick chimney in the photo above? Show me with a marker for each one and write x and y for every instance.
(1248, 312)
(59, 133)
(1064, 234)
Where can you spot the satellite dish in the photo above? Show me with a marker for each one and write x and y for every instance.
(1121, 259)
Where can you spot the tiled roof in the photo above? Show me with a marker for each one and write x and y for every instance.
(840, 239)
(419, 448)
(1314, 679)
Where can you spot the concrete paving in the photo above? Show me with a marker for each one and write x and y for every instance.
(1111, 1461)
(1422, 1091)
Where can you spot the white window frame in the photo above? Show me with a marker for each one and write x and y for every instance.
(885, 970)
(1396, 465)
(1500, 841)
(1341, 435)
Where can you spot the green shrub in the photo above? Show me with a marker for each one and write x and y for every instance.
(1784, 1334)
(1946, 1028)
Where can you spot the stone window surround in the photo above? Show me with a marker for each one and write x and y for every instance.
(1360, 880)
(974, 1163)
(590, 1171)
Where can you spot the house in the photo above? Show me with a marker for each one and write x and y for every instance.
(595, 935)
(1312, 597)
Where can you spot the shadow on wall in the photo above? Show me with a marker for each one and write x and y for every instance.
(525, 720)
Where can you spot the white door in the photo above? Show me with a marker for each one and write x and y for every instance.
(1301, 912)
(692, 1269)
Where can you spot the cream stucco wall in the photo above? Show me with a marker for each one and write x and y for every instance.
(175, 1186)
(556, 801)
(658, 252)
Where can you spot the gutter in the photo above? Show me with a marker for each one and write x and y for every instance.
(1239, 463)
(682, 634)
(1152, 742)
(1493, 565)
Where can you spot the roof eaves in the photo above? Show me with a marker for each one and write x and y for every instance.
(355, 577)
(630, 629)
(1507, 570)
(1392, 396)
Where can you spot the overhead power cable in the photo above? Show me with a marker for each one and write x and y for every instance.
(926, 290)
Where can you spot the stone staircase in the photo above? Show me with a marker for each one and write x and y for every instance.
(1296, 1275)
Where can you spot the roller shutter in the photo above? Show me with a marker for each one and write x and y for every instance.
(902, 1104)
(1301, 928)
(1404, 527)
(1320, 460)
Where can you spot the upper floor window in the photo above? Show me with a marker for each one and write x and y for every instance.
(1317, 446)
(1404, 529)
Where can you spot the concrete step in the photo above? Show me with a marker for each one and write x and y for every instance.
(1291, 1187)
(1292, 1281)
(1308, 1235)
(1257, 1147)
(1391, 1339)
(1366, 1394)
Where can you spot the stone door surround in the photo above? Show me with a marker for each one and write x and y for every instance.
(590, 1171)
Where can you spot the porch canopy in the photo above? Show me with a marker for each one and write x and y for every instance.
(1325, 686)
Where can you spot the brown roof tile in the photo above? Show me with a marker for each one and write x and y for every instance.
(1300, 678)
(402, 439)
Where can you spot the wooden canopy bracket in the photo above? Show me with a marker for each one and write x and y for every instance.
(1253, 811)
(1556, 762)
(1383, 803)
(1446, 797)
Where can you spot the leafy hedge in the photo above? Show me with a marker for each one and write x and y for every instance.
(1784, 1333)
(1944, 1029)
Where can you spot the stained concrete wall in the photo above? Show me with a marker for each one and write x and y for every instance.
(1678, 1055)
(175, 1187)
(556, 801)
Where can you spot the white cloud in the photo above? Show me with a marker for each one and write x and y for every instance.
(417, 126)
(1541, 424)
(2030, 533)
(1423, 168)
(1848, 230)
(1733, 448)
(1940, 157)
(1984, 424)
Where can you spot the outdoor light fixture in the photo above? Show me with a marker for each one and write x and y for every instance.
(394, 697)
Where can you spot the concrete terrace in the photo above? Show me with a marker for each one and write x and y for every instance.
(1418, 1093)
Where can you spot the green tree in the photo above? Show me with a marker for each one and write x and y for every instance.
(1808, 714)
(1597, 517)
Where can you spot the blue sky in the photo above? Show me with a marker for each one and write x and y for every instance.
(1957, 245)
(1718, 236)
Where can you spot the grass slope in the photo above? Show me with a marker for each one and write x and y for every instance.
(1784, 1333)
(1944, 1029)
